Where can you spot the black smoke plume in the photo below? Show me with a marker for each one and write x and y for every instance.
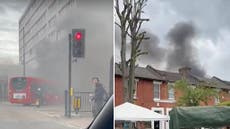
(156, 54)
(182, 52)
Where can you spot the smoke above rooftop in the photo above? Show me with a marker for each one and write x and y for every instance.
(181, 50)
(156, 53)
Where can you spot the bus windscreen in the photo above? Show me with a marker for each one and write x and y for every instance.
(19, 83)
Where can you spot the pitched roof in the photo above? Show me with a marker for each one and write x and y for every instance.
(167, 76)
(218, 83)
(155, 74)
(173, 76)
(140, 72)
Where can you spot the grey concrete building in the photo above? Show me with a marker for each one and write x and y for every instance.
(43, 41)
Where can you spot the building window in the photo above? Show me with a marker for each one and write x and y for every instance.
(135, 89)
(156, 90)
(52, 36)
(217, 100)
(171, 92)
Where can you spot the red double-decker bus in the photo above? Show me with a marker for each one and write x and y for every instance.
(29, 90)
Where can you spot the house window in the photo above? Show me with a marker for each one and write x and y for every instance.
(216, 100)
(171, 92)
(156, 90)
(135, 89)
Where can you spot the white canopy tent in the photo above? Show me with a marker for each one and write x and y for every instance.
(132, 112)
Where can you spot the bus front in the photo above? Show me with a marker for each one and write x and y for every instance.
(19, 90)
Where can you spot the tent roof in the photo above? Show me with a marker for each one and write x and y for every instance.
(196, 117)
(132, 112)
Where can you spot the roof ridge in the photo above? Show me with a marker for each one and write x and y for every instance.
(155, 72)
(160, 71)
(148, 67)
(223, 81)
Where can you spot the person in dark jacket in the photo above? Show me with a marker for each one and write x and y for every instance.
(100, 96)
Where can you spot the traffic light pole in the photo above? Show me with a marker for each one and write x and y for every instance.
(66, 103)
(69, 82)
(76, 40)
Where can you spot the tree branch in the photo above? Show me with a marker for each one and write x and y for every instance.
(117, 9)
(139, 54)
(118, 24)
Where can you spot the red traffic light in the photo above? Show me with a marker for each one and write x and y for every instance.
(78, 36)
(78, 42)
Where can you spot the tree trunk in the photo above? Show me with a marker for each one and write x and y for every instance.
(123, 64)
(130, 23)
(132, 70)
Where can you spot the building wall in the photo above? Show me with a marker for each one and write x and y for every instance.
(44, 29)
(145, 95)
(164, 91)
(146, 91)
(39, 40)
(118, 91)
(38, 22)
(224, 96)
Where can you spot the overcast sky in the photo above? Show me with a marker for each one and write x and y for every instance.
(10, 13)
(211, 20)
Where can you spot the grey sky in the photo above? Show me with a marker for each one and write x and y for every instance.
(211, 20)
(11, 11)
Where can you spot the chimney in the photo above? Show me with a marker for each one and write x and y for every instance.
(184, 71)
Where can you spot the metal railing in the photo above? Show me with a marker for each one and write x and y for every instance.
(85, 101)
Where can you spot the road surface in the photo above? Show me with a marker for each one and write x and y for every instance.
(14, 116)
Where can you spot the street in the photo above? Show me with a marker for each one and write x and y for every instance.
(13, 116)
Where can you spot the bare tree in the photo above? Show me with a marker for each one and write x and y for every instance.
(131, 20)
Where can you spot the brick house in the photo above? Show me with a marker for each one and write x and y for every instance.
(155, 88)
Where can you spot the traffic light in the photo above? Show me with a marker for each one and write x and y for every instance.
(78, 40)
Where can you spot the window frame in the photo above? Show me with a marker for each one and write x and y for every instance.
(135, 88)
(172, 87)
(159, 91)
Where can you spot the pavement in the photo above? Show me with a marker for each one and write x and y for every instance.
(14, 116)
(80, 120)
